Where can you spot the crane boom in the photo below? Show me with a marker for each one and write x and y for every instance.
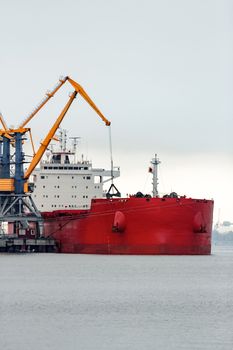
(48, 138)
(50, 94)
(83, 93)
(44, 144)
(43, 102)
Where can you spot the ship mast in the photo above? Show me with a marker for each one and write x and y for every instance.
(75, 140)
(154, 170)
(63, 139)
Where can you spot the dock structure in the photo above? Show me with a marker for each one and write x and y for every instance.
(15, 244)
(21, 223)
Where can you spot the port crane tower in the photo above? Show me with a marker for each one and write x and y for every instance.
(17, 207)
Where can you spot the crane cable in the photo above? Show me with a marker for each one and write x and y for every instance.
(110, 148)
(113, 191)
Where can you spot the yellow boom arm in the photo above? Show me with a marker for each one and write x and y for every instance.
(83, 93)
(45, 143)
(43, 102)
(78, 88)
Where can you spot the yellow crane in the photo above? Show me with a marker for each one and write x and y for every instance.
(22, 129)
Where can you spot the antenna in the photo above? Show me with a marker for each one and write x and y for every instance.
(60, 138)
(65, 140)
(75, 144)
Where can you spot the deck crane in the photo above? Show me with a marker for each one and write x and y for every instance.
(16, 204)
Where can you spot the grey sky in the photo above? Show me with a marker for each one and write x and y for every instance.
(161, 71)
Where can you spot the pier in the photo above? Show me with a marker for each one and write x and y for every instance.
(15, 244)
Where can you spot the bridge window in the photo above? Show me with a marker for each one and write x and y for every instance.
(56, 158)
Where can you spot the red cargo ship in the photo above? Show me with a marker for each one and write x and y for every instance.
(76, 211)
(134, 226)
(140, 224)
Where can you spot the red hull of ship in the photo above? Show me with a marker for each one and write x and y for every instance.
(134, 226)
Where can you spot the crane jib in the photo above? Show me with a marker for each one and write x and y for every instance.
(11, 134)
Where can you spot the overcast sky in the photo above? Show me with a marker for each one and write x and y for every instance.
(161, 71)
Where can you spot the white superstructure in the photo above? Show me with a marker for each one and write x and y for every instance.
(62, 182)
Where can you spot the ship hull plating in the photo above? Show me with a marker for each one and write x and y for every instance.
(134, 226)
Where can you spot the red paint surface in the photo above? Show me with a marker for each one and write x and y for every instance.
(151, 226)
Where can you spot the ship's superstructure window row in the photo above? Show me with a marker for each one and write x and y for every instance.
(65, 168)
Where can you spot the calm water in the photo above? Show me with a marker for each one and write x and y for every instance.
(50, 301)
